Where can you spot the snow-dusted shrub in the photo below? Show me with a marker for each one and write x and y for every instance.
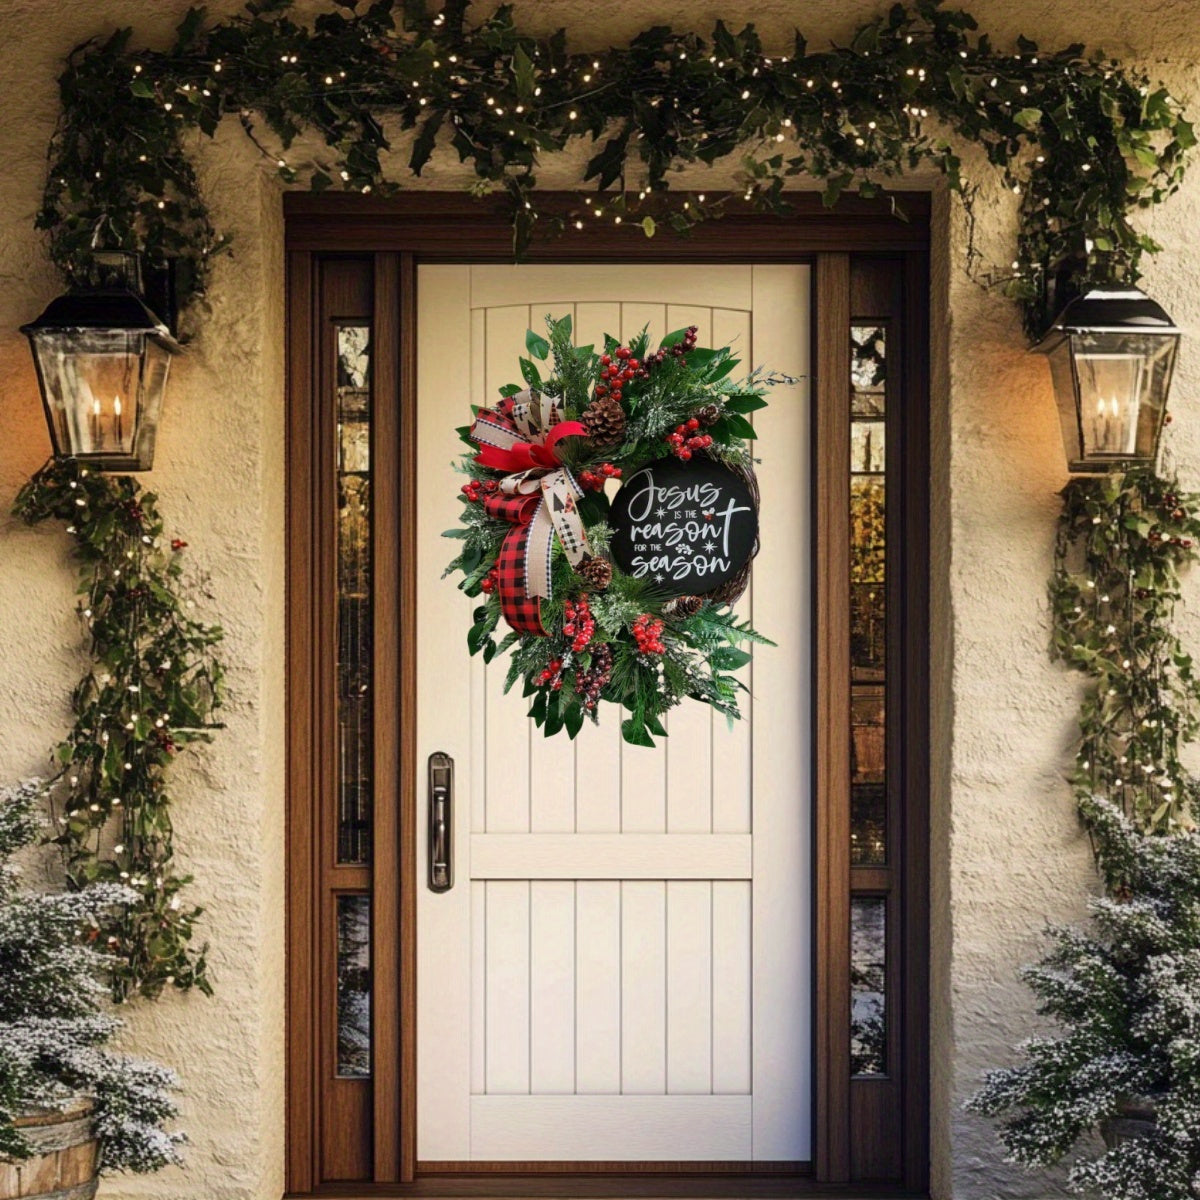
(54, 1013)
(1125, 992)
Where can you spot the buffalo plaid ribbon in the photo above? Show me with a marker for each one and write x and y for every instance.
(538, 495)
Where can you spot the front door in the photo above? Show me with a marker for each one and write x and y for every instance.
(623, 968)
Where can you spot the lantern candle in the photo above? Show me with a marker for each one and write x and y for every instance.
(117, 416)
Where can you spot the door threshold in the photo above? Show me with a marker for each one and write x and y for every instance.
(599, 1186)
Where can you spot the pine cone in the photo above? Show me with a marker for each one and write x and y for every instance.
(709, 415)
(604, 419)
(684, 606)
(597, 571)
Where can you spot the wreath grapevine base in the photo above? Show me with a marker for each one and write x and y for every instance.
(538, 537)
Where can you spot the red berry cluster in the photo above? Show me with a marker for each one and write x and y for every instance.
(614, 375)
(475, 489)
(676, 351)
(647, 632)
(686, 439)
(578, 623)
(590, 683)
(552, 675)
(178, 544)
(593, 481)
(490, 582)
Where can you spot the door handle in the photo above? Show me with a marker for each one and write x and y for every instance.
(441, 822)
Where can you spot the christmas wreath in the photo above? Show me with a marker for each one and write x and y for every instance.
(625, 598)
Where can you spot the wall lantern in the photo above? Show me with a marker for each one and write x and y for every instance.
(102, 361)
(1112, 353)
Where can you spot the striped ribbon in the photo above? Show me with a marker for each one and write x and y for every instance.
(537, 494)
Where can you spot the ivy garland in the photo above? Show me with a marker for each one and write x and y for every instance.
(152, 688)
(1122, 539)
(1084, 141)
(605, 634)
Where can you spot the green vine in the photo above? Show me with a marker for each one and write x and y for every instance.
(1122, 538)
(150, 690)
(1085, 141)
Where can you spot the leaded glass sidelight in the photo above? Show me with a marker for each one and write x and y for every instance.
(354, 986)
(868, 581)
(353, 475)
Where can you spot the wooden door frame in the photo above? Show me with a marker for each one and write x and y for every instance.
(398, 235)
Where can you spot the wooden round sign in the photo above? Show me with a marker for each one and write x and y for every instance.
(686, 527)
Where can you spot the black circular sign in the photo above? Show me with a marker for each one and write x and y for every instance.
(686, 527)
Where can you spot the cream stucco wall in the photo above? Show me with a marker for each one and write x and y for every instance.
(1008, 855)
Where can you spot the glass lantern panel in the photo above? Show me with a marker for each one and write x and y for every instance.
(156, 366)
(91, 383)
(1123, 380)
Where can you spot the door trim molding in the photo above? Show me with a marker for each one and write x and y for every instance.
(396, 235)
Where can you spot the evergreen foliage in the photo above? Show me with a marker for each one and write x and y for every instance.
(53, 1020)
(1126, 994)
(151, 689)
(1124, 991)
(1084, 141)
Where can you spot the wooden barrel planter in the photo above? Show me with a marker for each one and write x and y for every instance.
(65, 1157)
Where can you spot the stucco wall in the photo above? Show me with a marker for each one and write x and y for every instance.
(1008, 855)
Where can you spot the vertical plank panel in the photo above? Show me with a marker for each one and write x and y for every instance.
(552, 986)
(479, 671)
(731, 746)
(782, 983)
(689, 749)
(508, 728)
(643, 770)
(689, 986)
(598, 747)
(507, 1031)
(442, 958)
(732, 940)
(478, 986)
(598, 986)
(552, 760)
(643, 987)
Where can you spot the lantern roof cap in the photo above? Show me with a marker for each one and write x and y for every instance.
(102, 308)
(1110, 310)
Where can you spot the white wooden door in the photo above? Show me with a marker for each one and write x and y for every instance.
(623, 968)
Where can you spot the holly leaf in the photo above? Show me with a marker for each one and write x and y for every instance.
(738, 426)
(424, 142)
(744, 403)
(554, 714)
(536, 345)
(530, 374)
(635, 733)
(729, 658)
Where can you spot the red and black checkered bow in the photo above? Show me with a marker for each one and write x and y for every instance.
(537, 494)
